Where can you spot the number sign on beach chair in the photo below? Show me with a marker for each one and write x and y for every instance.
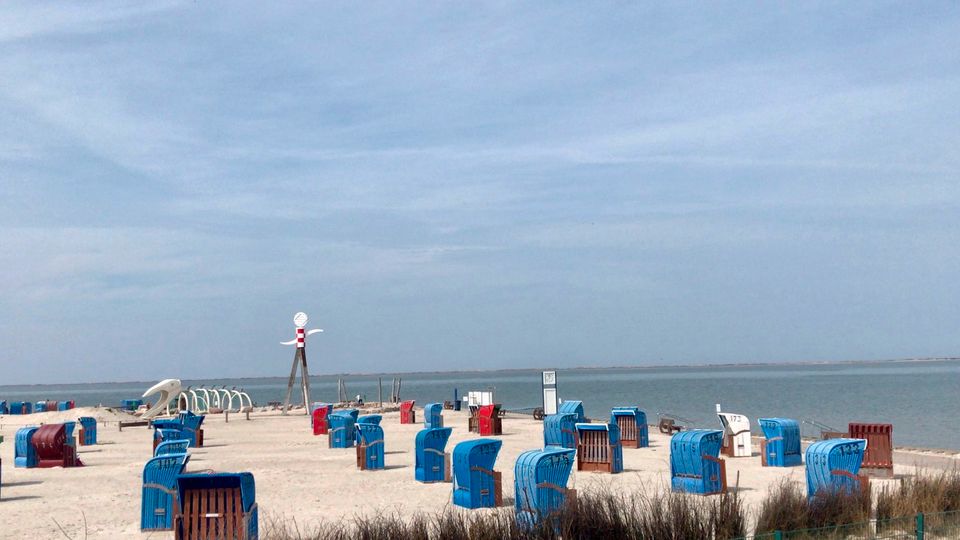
(221, 506)
(736, 434)
(407, 413)
(24, 452)
(178, 446)
(319, 418)
(575, 407)
(833, 466)
(341, 433)
(560, 430)
(88, 431)
(781, 444)
(632, 422)
(158, 498)
(432, 464)
(369, 447)
(433, 415)
(599, 448)
(540, 484)
(695, 464)
(54, 447)
(475, 483)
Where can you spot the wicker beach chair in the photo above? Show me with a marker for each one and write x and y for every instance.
(695, 464)
(475, 483)
(781, 444)
(341, 432)
(834, 465)
(634, 432)
(737, 440)
(432, 464)
(575, 407)
(88, 431)
(540, 484)
(24, 452)
(599, 448)
(221, 506)
(158, 498)
(433, 415)
(369, 447)
(318, 418)
(176, 446)
(407, 413)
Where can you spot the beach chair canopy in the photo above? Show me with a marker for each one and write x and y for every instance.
(159, 491)
(429, 454)
(560, 430)
(237, 491)
(694, 461)
(575, 407)
(632, 422)
(474, 480)
(432, 415)
(540, 483)
(782, 446)
(370, 419)
(176, 446)
(834, 465)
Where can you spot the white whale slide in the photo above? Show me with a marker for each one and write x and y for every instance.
(169, 389)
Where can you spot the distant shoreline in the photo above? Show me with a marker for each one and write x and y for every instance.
(801, 363)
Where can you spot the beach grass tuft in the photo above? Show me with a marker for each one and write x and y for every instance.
(787, 507)
(926, 492)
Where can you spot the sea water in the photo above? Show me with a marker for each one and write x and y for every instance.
(920, 399)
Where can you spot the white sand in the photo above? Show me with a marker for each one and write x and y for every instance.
(296, 474)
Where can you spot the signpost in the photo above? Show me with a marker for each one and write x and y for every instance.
(299, 359)
(549, 392)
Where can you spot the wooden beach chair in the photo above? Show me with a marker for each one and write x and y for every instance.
(599, 448)
(158, 496)
(432, 463)
(695, 464)
(632, 422)
(668, 426)
(220, 506)
(475, 483)
(878, 456)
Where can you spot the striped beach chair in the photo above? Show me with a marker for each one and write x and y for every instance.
(695, 464)
(781, 444)
(540, 484)
(341, 432)
(834, 465)
(432, 464)
(369, 447)
(599, 448)
(475, 483)
(221, 506)
(178, 446)
(560, 430)
(24, 452)
(634, 432)
(158, 495)
(575, 407)
(433, 415)
(88, 431)
(737, 441)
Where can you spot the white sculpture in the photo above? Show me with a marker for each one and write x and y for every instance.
(169, 389)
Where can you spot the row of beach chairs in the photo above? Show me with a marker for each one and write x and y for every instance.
(27, 407)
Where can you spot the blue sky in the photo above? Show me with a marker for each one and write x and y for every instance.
(462, 186)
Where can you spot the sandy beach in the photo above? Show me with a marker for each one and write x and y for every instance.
(298, 477)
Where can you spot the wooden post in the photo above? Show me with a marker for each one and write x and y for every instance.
(380, 390)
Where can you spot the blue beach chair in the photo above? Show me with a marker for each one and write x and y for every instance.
(367, 419)
(432, 464)
(540, 484)
(88, 430)
(475, 483)
(599, 448)
(235, 493)
(341, 432)
(781, 445)
(560, 430)
(3, 407)
(40, 406)
(369, 447)
(634, 432)
(695, 464)
(834, 465)
(159, 491)
(432, 415)
(575, 407)
(24, 452)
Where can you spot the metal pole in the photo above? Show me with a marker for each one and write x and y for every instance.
(920, 526)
